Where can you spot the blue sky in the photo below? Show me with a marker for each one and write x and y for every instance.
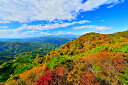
(33, 18)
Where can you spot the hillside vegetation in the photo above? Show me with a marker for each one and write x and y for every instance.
(11, 47)
(91, 59)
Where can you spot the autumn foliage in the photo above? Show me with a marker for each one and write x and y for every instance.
(92, 59)
(53, 77)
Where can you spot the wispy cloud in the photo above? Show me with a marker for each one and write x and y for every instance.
(35, 28)
(3, 26)
(94, 27)
(116, 2)
(29, 32)
(2, 21)
(32, 10)
(63, 32)
(45, 33)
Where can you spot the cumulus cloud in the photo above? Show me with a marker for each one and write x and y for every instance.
(96, 28)
(32, 10)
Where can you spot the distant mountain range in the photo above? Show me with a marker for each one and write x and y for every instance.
(46, 39)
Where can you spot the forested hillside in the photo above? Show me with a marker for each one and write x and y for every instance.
(22, 62)
(11, 47)
(91, 59)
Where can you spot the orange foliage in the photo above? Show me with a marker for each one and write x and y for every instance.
(98, 66)
(28, 77)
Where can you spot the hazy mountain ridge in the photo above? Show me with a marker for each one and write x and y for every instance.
(54, 39)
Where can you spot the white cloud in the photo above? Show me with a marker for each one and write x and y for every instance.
(31, 10)
(3, 31)
(3, 26)
(96, 28)
(116, 2)
(63, 32)
(45, 33)
(49, 26)
(39, 27)
(1, 21)
(30, 32)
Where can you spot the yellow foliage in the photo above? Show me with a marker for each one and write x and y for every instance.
(28, 77)
(1, 83)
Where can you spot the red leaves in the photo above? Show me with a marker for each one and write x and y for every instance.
(119, 59)
(119, 63)
(45, 79)
(52, 77)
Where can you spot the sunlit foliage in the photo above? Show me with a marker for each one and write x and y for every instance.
(92, 59)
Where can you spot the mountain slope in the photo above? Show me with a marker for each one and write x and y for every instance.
(22, 62)
(91, 59)
(9, 49)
